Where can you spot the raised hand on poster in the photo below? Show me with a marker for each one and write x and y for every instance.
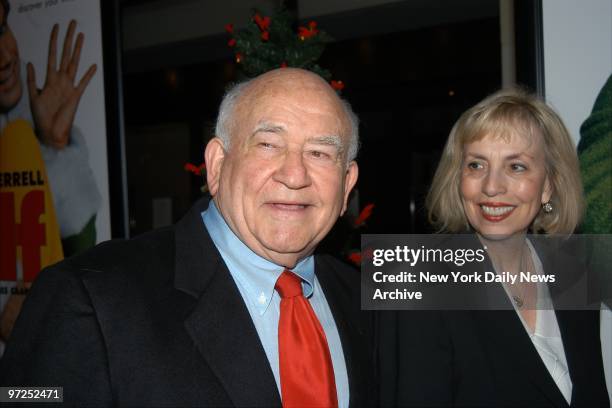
(54, 106)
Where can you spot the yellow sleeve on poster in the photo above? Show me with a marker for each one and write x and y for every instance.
(30, 233)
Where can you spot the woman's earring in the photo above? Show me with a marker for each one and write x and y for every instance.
(547, 207)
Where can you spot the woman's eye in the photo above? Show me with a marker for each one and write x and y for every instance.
(518, 167)
(474, 166)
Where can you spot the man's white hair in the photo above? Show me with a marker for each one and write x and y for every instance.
(223, 127)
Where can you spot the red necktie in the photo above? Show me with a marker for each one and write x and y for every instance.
(306, 371)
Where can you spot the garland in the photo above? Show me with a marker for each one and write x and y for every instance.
(268, 43)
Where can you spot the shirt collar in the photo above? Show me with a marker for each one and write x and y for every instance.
(254, 273)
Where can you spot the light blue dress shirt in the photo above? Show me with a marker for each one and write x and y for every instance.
(255, 278)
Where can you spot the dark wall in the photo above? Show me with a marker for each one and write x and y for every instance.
(407, 87)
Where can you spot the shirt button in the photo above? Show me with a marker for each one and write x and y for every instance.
(262, 298)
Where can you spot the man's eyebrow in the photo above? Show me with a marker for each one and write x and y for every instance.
(268, 127)
(330, 140)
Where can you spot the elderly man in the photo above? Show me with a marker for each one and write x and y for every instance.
(229, 307)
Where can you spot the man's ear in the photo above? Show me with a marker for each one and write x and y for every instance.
(352, 173)
(213, 156)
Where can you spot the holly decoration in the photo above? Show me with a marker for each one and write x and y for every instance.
(268, 43)
(354, 255)
(198, 170)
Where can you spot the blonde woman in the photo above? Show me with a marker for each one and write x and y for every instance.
(508, 168)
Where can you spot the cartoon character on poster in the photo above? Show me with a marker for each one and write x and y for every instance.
(49, 198)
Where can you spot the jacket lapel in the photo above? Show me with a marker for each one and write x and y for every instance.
(571, 326)
(507, 343)
(220, 324)
(505, 338)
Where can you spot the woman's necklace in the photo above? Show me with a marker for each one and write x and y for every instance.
(519, 299)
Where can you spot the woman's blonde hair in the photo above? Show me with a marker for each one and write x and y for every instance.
(502, 114)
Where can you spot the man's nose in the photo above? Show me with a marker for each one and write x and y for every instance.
(494, 183)
(292, 171)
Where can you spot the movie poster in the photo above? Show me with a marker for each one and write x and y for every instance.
(53, 159)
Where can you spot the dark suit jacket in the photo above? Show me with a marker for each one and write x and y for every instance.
(158, 320)
(485, 358)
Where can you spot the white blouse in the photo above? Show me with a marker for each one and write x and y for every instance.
(546, 337)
